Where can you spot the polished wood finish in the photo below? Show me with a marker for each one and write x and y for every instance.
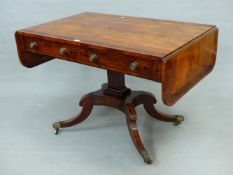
(185, 67)
(116, 84)
(149, 37)
(125, 103)
(176, 54)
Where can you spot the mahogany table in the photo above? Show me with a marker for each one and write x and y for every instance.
(176, 54)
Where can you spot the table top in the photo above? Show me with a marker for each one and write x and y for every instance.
(154, 37)
(176, 54)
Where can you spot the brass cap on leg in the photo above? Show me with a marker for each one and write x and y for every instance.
(179, 119)
(56, 127)
(146, 157)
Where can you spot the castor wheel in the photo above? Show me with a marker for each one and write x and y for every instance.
(179, 119)
(146, 157)
(56, 127)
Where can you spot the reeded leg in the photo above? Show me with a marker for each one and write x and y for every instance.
(86, 103)
(151, 110)
(133, 130)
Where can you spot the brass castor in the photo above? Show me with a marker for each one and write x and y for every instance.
(179, 119)
(56, 127)
(146, 157)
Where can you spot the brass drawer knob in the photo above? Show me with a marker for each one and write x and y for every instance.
(93, 58)
(134, 65)
(33, 45)
(62, 51)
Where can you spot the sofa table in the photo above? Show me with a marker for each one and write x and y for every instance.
(176, 54)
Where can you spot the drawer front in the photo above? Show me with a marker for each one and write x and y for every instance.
(105, 59)
(122, 63)
(52, 48)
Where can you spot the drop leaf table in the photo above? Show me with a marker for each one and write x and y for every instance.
(176, 54)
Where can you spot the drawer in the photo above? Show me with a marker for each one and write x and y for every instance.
(104, 58)
(52, 48)
(123, 63)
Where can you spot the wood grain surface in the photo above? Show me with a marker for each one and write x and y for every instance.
(177, 54)
(184, 68)
(140, 35)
